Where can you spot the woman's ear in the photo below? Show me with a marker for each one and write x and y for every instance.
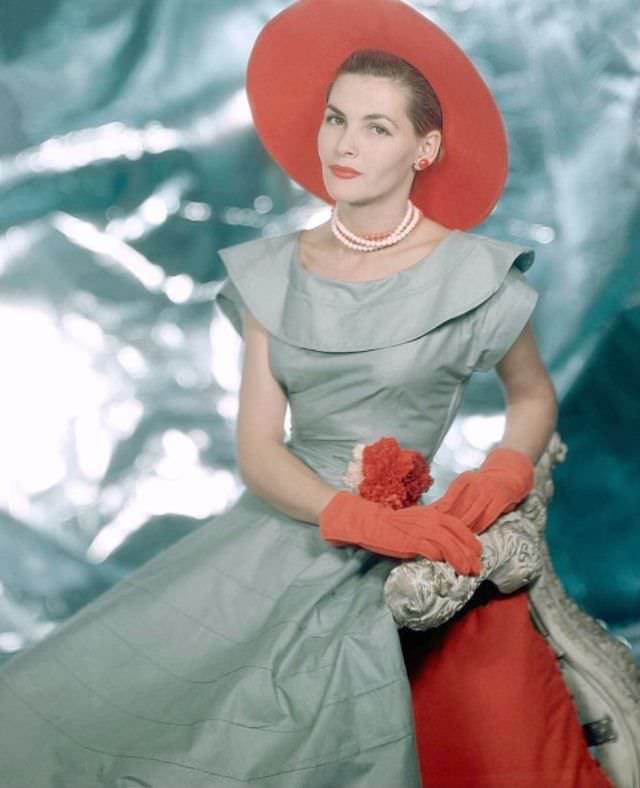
(430, 145)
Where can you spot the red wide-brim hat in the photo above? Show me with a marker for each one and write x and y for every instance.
(294, 58)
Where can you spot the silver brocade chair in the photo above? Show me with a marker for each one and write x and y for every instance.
(597, 667)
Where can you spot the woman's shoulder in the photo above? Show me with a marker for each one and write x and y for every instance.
(508, 252)
(487, 275)
(256, 280)
(239, 258)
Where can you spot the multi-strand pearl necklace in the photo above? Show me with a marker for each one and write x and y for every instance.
(373, 241)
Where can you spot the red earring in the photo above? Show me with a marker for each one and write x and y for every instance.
(423, 164)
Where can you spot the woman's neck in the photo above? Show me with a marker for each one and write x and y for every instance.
(365, 219)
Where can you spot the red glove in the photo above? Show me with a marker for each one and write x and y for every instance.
(479, 497)
(401, 533)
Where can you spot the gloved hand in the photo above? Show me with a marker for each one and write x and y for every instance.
(479, 497)
(400, 533)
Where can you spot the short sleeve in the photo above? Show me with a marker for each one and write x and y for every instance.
(256, 281)
(230, 303)
(500, 319)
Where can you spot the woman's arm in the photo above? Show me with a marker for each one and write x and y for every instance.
(506, 476)
(531, 400)
(267, 467)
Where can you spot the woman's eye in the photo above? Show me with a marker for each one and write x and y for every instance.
(329, 118)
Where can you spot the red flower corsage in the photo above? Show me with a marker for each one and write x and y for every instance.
(388, 474)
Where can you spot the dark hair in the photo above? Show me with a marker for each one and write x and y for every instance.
(423, 108)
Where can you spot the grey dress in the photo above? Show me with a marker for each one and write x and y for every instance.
(251, 652)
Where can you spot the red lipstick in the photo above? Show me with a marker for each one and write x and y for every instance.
(344, 172)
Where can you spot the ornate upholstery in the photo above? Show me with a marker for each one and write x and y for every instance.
(598, 668)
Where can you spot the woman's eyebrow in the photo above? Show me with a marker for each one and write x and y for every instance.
(370, 116)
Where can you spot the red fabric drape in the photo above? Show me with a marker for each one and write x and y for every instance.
(491, 708)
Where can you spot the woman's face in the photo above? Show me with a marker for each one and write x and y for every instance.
(381, 149)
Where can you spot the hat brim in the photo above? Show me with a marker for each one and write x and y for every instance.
(295, 57)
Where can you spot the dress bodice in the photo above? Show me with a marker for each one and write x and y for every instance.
(389, 356)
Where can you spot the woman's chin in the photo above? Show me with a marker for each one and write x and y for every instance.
(341, 192)
(347, 194)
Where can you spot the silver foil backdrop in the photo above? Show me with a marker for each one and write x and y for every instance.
(128, 157)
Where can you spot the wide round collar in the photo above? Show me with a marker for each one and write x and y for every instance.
(321, 313)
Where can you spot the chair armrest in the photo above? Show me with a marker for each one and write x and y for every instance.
(597, 668)
(423, 594)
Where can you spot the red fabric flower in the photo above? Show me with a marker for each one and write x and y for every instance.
(393, 476)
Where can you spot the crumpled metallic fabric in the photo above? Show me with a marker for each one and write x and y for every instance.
(127, 158)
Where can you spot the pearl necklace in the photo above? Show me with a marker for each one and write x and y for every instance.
(369, 243)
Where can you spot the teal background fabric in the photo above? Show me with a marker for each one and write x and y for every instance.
(128, 159)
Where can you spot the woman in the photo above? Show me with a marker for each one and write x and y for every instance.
(258, 650)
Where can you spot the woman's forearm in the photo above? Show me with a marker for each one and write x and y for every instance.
(531, 421)
(279, 477)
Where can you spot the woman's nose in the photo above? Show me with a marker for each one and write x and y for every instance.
(346, 143)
